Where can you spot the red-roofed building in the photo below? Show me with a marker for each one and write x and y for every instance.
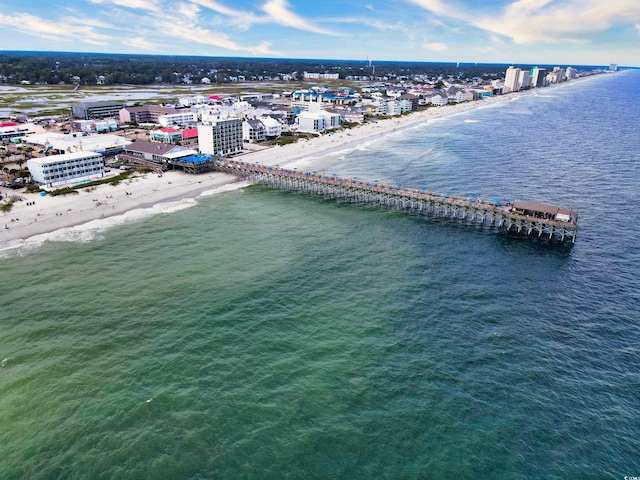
(190, 137)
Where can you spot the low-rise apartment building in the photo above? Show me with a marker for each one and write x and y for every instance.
(56, 170)
(89, 110)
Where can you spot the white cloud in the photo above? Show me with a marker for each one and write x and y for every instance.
(195, 34)
(75, 29)
(140, 43)
(138, 4)
(378, 24)
(237, 18)
(221, 9)
(528, 21)
(278, 11)
(436, 6)
(189, 10)
(435, 47)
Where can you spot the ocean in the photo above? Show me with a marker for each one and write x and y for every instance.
(261, 334)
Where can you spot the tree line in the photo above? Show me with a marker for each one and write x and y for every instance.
(115, 69)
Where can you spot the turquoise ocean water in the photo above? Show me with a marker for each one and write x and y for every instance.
(266, 334)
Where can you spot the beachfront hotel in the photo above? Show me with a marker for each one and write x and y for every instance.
(56, 170)
(220, 136)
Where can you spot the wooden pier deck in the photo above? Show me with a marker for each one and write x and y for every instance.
(526, 218)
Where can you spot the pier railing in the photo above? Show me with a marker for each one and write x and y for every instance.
(501, 215)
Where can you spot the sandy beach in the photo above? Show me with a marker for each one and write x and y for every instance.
(36, 215)
(346, 140)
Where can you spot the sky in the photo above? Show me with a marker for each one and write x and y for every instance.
(565, 32)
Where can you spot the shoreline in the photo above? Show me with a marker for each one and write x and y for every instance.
(46, 214)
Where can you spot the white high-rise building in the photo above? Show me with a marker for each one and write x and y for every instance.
(524, 80)
(538, 77)
(220, 137)
(571, 73)
(511, 80)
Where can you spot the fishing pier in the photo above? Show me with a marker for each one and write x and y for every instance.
(526, 218)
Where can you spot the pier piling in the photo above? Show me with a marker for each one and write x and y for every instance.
(526, 218)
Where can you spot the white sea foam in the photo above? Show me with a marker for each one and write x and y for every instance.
(230, 187)
(95, 229)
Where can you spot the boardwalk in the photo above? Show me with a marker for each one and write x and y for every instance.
(530, 219)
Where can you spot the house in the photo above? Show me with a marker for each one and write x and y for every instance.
(408, 103)
(439, 100)
(460, 96)
(352, 115)
(253, 131)
(318, 121)
(391, 108)
(272, 127)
